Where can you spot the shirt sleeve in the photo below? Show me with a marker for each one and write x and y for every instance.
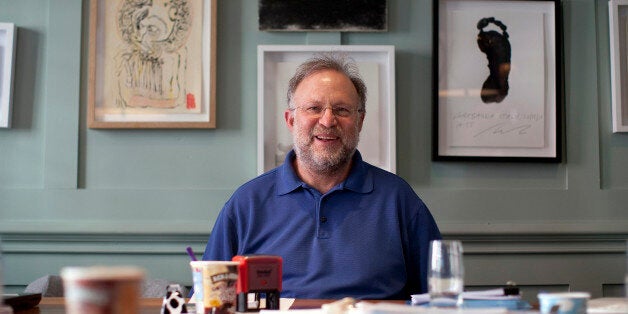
(222, 243)
(421, 231)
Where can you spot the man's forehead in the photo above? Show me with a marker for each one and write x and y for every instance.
(329, 78)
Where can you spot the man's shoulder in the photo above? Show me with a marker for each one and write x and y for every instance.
(382, 176)
(261, 183)
(388, 183)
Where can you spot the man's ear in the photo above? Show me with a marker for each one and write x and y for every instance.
(362, 115)
(289, 117)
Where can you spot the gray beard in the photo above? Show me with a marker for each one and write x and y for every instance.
(326, 162)
(326, 165)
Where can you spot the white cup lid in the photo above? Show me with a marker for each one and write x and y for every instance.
(102, 272)
(578, 295)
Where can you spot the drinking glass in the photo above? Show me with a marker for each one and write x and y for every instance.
(445, 273)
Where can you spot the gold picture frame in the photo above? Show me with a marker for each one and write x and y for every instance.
(152, 67)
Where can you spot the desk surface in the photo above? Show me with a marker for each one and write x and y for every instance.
(57, 306)
(153, 305)
(148, 305)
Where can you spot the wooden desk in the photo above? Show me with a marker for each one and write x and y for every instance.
(57, 306)
(147, 305)
(153, 305)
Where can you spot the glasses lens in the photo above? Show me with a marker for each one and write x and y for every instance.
(317, 111)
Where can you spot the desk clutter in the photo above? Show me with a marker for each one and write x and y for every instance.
(224, 287)
(508, 298)
(174, 301)
(352, 306)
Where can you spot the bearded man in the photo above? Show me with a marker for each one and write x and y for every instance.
(343, 227)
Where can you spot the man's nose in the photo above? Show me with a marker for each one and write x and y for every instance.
(327, 117)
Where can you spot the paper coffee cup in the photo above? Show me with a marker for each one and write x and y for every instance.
(564, 302)
(102, 289)
(197, 281)
(219, 279)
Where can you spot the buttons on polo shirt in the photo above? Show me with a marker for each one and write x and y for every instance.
(323, 219)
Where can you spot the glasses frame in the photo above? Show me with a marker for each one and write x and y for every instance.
(323, 109)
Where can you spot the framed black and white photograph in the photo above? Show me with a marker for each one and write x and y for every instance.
(7, 69)
(276, 65)
(618, 29)
(323, 15)
(497, 86)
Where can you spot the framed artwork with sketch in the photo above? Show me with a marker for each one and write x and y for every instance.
(497, 92)
(152, 64)
(618, 35)
(8, 40)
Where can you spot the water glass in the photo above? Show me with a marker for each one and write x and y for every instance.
(445, 273)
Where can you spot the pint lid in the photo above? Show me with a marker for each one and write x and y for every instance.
(564, 295)
(102, 272)
(200, 263)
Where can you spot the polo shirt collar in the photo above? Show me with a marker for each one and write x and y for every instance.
(360, 180)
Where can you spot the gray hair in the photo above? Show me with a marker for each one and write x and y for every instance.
(329, 61)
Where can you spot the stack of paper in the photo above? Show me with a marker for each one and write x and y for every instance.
(492, 294)
(481, 299)
(390, 308)
(608, 305)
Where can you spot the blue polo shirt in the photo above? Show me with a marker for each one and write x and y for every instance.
(367, 238)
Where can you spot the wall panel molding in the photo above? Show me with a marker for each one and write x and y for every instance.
(63, 55)
(169, 243)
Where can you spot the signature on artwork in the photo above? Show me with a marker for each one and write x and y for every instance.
(504, 129)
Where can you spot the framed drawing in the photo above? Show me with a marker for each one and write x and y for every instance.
(152, 65)
(618, 20)
(7, 68)
(497, 87)
(275, 66)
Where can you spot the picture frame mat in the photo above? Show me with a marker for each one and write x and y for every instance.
(377, 147)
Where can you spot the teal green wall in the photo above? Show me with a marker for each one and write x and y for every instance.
(70, 195)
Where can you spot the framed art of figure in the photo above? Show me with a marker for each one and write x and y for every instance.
(618, 20)
(277, 63)
(497, 86)
(7, 68)
(152, 64)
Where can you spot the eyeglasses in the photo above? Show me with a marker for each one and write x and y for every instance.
(317, 111)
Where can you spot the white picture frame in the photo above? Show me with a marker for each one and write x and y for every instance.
(276, 64)
(7, 69)
(618, 28)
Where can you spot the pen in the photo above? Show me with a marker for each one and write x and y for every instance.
(191, 253)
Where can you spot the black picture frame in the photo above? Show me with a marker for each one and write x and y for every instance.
(323, 15)
(498, 81)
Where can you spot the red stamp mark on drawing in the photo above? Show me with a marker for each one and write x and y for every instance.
(191, 103)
